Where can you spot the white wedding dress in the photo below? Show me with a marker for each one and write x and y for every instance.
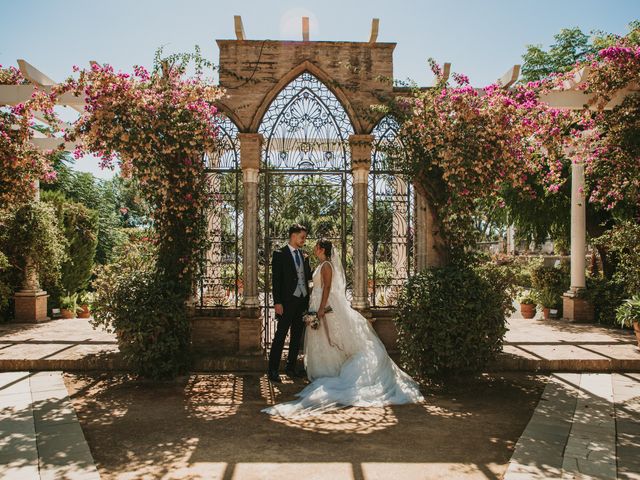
(359, 372)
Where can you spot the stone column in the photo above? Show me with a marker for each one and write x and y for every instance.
(249, 322)
(250, 151)
(576, 308)
(511, 240)
(360, 164)
(31, 300)
(421, 251)
(429, 246)
(399, 233)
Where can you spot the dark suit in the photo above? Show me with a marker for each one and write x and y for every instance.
(284, 280)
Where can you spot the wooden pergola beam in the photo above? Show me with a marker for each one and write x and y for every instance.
(52, 143)
(14, 94)
(510, 77)
(239, 27)
(38, 78)
(446, 71)
(375, 24)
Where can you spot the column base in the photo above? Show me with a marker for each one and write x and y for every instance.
(361, 304)
(577, 309)
(251, 302)
(31, 306)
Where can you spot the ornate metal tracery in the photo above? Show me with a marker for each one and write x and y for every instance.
(391, 221)
(222, 266)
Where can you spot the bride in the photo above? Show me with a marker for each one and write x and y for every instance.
(344, 358)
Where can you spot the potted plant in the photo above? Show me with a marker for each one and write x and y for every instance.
(527, 305)
(628, 314)
(84, 300)
(548, 299)
(69, 306)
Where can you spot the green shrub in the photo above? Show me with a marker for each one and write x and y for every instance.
(623, 246)
(80, 228)
(629, 312)
(549, 299)
(523, 269)
(6, 289)
(550, 283)
(79, 225)
(452, 319)
(527, 298)
(147, 314)
(70, 302)
(605, 296)
(31, 232)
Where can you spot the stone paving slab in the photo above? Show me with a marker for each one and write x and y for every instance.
(40, 436)
(18, 449)
(602, 439)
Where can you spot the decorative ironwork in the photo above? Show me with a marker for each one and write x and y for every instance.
(305, 176)
(391, 221)
(221, 284)
(306, 127)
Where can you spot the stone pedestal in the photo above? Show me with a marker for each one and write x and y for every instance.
(250, 332)
(31, 306)
(576, 309)
(361, 163)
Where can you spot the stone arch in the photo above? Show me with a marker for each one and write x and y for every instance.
(294, 73)
(231, 115)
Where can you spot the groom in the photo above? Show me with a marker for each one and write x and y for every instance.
(290, 275)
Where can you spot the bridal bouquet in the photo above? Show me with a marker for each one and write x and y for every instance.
(312, 320)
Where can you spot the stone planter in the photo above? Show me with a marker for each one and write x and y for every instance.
(528, 310)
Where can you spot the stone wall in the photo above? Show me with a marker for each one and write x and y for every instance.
(253, 72)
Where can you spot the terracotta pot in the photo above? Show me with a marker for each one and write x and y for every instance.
(545, 312)
(636, 329)
(85, 313)
(67, 313)
(528, 310)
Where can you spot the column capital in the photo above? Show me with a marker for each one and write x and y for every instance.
(250, 175)
(250, 150)
(361, 146)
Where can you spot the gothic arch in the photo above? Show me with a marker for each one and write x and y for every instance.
(231, 115)
(294, 73)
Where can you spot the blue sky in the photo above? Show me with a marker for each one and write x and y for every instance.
(481, 38)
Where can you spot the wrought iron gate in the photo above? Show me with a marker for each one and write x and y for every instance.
(391, 221)
(221, 282)
(305, 177)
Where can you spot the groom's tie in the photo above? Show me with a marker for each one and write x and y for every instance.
(297, 255)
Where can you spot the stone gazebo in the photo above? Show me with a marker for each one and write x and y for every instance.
(358, 75)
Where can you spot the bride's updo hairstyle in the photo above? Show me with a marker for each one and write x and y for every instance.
(326, 245)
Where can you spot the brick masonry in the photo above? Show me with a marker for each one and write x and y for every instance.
(253, 72)
(577, 309)
(31, 307)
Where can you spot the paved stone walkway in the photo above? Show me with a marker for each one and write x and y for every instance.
(586, 426)
(64, 344)
(557, 345)
(535, 345)
(40, 436)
